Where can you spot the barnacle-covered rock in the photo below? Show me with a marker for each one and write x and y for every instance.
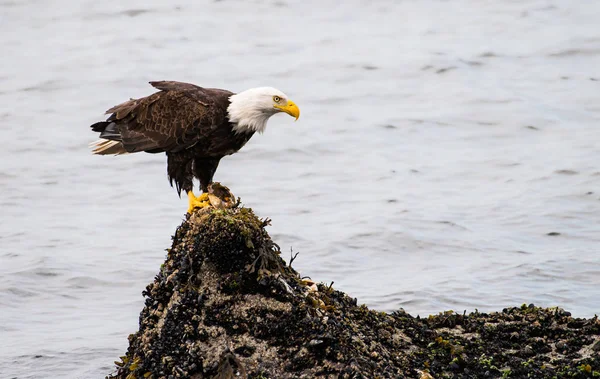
(226, 305)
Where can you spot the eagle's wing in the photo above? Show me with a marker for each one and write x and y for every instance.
(173, 119)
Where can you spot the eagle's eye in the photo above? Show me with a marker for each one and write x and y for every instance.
(276, 99)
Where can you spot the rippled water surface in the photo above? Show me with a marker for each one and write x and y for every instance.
(447, 157)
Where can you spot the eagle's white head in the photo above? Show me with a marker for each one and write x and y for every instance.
(250, 110)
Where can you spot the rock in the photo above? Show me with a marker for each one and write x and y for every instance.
(225, 305)
(527, 351)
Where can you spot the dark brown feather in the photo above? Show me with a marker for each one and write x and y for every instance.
(170, 120)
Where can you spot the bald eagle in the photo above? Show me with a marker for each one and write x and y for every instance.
(194, 126)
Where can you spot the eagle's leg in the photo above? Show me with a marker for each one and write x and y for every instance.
(197, 202)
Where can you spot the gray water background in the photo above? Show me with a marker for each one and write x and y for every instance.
(440, 143)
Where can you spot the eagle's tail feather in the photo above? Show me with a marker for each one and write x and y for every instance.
(99, 126)
(107, 130)
(107, 147)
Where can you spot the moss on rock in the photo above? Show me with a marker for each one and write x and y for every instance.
(225, 305)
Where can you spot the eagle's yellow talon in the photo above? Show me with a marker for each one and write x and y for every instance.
(197, 202)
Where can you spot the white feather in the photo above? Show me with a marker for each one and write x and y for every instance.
(250, 110)
(105, 146)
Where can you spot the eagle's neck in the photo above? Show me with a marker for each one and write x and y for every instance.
(247, 113)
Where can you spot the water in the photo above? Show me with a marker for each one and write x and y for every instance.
(440, 143)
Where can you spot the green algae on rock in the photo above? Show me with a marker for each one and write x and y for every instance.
(226, 305)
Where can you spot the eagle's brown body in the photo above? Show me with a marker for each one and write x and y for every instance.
(189, 123)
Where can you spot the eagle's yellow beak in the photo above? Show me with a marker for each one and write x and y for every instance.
(290, 108)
